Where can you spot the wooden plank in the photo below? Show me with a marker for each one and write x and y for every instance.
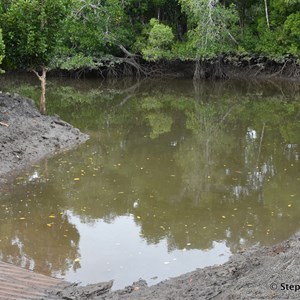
(18, 283)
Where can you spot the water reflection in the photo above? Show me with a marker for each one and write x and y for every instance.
(36, 232)
(120, 252)
(177, 171)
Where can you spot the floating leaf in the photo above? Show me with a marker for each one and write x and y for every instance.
(77, 178)
(249, 225)
(289, 205)
(22, 218)
(51, 217)
(49, 225)
(77, 260)
(223, 217)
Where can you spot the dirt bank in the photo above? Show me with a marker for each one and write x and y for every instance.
(26, 136)
(258, 273)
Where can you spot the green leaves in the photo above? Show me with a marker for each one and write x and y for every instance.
(31, 30)
(159, 41)
(211, 28)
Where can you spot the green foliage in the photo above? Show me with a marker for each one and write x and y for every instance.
(211, 31)
(292, 31)
(95, 28)
(281, 38)
(159, 123)
(270, 42)
(159, 41)
(31, 31)
(67, 62)
(73, 34)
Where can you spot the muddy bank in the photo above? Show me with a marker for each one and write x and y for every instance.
(26, 136)
(257, 273)
(227, 66)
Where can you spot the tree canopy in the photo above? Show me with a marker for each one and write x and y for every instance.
(70, 34)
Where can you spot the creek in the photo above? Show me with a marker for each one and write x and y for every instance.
(176, 176)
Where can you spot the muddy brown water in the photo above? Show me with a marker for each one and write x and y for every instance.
(176, 176)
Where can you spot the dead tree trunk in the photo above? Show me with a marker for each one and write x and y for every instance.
(267, 14)
(199, 72)
(42, 79)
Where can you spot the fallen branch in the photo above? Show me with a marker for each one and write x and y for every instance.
(4, 124)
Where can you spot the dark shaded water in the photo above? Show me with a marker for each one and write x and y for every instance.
(175, 176)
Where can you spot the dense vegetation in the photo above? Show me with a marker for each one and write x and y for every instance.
(115, 36)
(93, 33)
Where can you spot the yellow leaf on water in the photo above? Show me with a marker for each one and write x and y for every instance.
(22, 218)
(51, 217)
(223, 217)
(249, 225)
(76, 179)
(289, 205)
(49, 225)
(77, 260)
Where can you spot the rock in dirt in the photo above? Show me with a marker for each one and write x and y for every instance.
(90, 291)
(26, 136)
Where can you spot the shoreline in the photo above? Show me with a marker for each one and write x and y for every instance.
(259, 272)
(27, 137)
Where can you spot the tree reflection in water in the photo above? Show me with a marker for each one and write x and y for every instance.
(190, 165)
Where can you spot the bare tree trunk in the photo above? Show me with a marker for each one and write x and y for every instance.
(267, 14)
(199, 72)
(42, 79)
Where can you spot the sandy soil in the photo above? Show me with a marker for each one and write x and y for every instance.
(258, 273)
